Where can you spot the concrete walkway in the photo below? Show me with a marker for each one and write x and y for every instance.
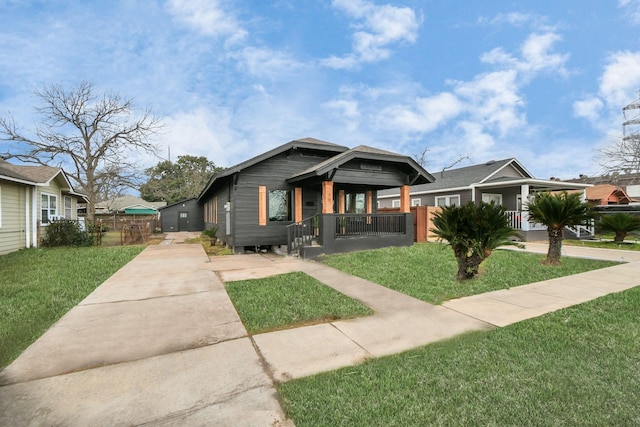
(160, 343)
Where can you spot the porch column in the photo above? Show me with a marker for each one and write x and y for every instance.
(327, 197)
(405, 201)
(298, 196)
(524, 193)
(341, 201)
(369, 201)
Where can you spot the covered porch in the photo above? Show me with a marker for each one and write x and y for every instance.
(345, 217)
(515, 195)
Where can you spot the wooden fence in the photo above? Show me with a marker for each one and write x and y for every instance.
(422, 221)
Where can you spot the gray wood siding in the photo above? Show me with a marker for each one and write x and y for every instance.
(169, 217)
(271, 173)
(12, 225)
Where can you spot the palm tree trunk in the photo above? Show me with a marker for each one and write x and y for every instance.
(468, 266)
(555, 246)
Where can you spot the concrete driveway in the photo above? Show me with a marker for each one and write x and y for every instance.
(157, 343)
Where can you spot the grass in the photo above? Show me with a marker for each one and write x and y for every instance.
(427, 271)
(38, 286)
(289, 300)
(577, 366)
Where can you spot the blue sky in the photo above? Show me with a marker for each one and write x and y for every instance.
(542, 81)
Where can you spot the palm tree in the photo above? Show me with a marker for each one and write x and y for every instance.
(473, 231)
(620, 223)
(557, 211)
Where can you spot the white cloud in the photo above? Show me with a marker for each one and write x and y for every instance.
(265, 62)
(536, 55)
(423, 115)
(632, 8)
(620, 79)
(209, 18)
(378, 27)
(589, 108)
(347, 111)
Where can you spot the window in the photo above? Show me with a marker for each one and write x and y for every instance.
(48, 207)
(356, 203)
(395, 203)
(280, 205)
(495, 198)
(68, 212)
(416, 202)
(442, 201)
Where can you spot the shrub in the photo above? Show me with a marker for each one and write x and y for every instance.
(211, 232)
(619, 223)
(66, 232)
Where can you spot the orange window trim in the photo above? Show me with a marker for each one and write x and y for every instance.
(262, 205)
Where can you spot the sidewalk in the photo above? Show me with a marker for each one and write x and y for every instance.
(160, 343)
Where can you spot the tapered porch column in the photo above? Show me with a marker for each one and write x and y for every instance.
(341, 201)
(405, 202)
(524, 193)
(327, 197)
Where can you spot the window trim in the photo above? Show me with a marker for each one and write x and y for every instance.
(49, 214)
(447, 198)
(413, 202)
(64, 204)
(395, 203)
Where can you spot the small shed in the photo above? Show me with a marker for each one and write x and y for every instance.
(186, 215)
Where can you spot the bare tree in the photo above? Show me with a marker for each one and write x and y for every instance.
(623, 156)
(92, 136)
(421, 157)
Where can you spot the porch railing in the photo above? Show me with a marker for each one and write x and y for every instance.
(516, 219)
(351, 225)
(301, 233)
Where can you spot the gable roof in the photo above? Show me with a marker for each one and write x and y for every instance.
(25, 174)
(309, 143)
(127, 202)
(466, 176)
(481, 175)
(36, 175)
(604, 191)
(366, 153)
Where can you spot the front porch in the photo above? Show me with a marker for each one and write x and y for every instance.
(519, 220)
(342, 232)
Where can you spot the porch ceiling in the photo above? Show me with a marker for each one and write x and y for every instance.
(534, 184)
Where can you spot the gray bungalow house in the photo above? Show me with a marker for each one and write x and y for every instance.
(313, 197)
(505, 182)
(30, 197)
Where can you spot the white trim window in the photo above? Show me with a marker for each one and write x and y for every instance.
(68, 207)
(489, 197)
(48, 208)
(416, 202)
(395, 203)
(448, 200)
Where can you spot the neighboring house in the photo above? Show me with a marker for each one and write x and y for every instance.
(129, 205)
(31, 197)
(607, 194)
(505, 182)
(307, 190)
(186, 215)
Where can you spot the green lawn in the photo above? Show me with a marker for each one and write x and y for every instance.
(579, 366)
(289, 300)
(38, 286)
(427, 271)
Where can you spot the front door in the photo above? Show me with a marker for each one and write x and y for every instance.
(183, 221)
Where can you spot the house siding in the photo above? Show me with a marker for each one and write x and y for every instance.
(169, 216)
(12, 227)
